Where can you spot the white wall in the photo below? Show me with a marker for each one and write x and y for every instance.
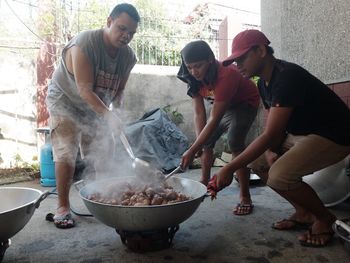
(148, 87)
(314, 34)
(17, 109)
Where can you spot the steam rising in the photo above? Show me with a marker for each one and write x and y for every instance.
(107, 158)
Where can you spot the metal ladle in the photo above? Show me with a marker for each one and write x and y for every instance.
(141, 167)
(167, 176)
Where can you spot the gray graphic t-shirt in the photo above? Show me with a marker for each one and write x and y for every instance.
(63, 98)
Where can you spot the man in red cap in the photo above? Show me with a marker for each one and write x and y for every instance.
(307, 129)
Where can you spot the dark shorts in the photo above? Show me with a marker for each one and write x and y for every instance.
(237, 122)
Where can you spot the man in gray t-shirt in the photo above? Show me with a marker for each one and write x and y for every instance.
(92, 74)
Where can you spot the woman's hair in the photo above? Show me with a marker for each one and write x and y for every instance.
(125, 8)
(212, 73)
(196, 51)
(200, 50)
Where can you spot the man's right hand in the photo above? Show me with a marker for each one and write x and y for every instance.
(198, 153)
(187, 159)
(113, 122)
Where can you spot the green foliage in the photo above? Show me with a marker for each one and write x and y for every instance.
(47, 18)
(158, 40)
(175, 116)
(153, 42)
(35, 166)
(20, 163)
(18, 160)
(255, 79)
(93, 15)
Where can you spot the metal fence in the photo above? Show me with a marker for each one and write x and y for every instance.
(159, 41)
(165, 27)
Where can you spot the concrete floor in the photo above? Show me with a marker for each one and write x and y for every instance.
(211, 234)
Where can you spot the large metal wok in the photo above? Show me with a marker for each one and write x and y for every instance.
(16, 208)
(143, 218)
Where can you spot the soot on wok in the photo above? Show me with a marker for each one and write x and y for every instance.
(3, 246)
(138, 194)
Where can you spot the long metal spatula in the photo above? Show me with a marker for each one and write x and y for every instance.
(167, 176)
(141, 167)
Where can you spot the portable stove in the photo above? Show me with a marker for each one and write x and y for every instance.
(145, 241)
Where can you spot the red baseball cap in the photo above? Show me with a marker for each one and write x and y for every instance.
(243, 42)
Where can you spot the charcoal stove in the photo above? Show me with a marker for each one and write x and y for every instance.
(146, 241)
(3, 246)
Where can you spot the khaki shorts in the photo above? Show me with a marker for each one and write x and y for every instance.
(302, 155)
(67, 137)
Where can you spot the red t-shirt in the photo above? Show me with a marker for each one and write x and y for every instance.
(231, 87)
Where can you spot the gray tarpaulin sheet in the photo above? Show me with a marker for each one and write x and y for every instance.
(157, 140)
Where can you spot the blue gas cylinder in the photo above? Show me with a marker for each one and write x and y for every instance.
(47, 165)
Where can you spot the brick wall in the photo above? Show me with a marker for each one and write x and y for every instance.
(342, 90)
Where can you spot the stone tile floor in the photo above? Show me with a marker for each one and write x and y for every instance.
(211, 234)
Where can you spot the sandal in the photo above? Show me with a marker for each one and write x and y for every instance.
(61, 221)
(290, 224)
(317, 240)
(243, 209)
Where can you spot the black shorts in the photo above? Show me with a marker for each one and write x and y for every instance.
(237, 122)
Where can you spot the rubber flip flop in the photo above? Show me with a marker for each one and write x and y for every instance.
(62, 221)
(293, 225)
(243, 209)
(326, 240)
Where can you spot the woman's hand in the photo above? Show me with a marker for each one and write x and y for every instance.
(187, 159)
(198, 153)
